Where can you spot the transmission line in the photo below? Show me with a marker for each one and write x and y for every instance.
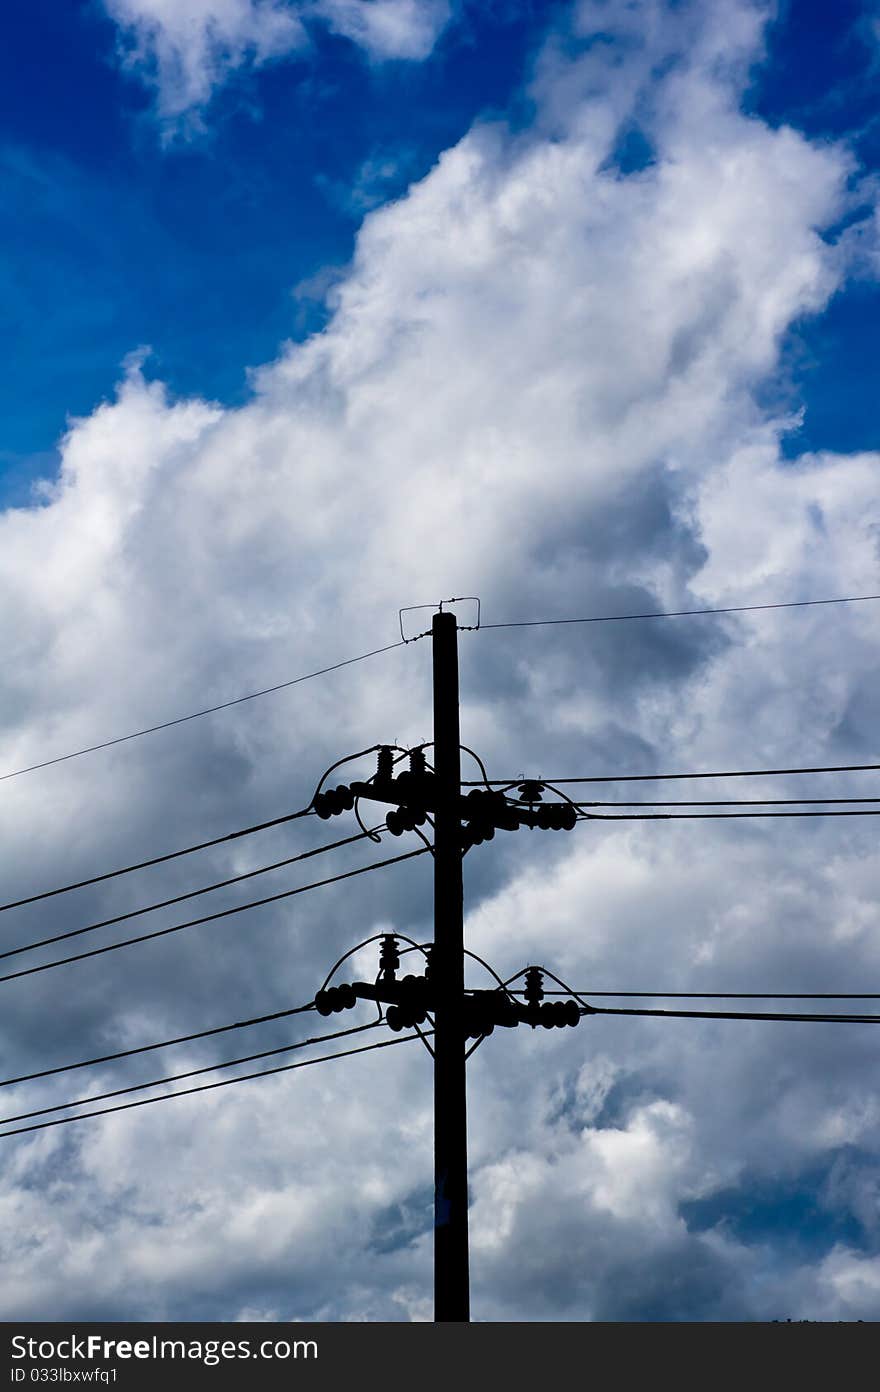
(207, 1087)
(157, 860)
(192, 1072)
(668, 777)
(192, 893)
(718, 995)
(735, 802)
(162, 1044)
(680, 613)
(713, 816)
(195, 715)
(734, 1015)
(208, 918)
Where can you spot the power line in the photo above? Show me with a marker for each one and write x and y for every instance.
(669, 777)
(190, 894)
(734, 802)
(208, 918)
(207, 1087)
(163, 1044)
(157, 860)
(192, 1072)
(195, 715)
(681, 613)
(713, 816)
(717, 995)
(735, 1015)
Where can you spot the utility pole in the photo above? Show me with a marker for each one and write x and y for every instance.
(451, 1286)
(418, 795)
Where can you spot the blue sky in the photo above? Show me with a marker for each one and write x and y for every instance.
(107, 247)
(106, 244)
(321, 308)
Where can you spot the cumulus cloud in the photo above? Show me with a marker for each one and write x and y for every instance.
(187, 49)
(537, 384)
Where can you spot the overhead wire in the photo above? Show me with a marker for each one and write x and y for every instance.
(190, 894)
(158, 860)
(162, 1044)
(208, 918)
(191, 1072)
(307, 811)
(716, 995)
(735, 1015)
(714, 816)
(680, 613)
(208, 1087)
(669, 777)
(195, 715)
(736, 802)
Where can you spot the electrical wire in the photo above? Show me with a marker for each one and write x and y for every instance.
(714, 816)
(207, 1087)
(718, 995)
(190, 894)
(669, 777)
(162, 1044)
(158, 860)
(208, 918)
(681, 613)
(307, 811)
(191, 1073)
(733, 802)
(195, 715)
(734, 1015)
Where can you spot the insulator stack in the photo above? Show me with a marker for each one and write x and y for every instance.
(335, 998)
(389, 958)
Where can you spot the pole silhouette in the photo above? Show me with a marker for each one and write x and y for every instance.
(451, 1285)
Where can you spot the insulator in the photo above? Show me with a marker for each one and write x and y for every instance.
(335, 998)
(572, 1012)
(560, 1014)
(417, 761)
(394, 823)
(344, 797)
(530, 791)
(389, 957)
(385, 762)
(419, 816)
(534, 990)
(548, 1014)
(393, 1017)
(323, 806)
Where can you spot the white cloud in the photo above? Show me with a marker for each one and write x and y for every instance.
(187, 49)
(538, 385)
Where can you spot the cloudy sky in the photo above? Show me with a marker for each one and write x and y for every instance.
(319, 308)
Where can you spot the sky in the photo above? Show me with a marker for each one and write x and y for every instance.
(318, 310)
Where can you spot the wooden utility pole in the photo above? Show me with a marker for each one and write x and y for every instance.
(451, 1285)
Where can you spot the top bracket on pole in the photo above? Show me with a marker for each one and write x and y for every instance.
(439, 608)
